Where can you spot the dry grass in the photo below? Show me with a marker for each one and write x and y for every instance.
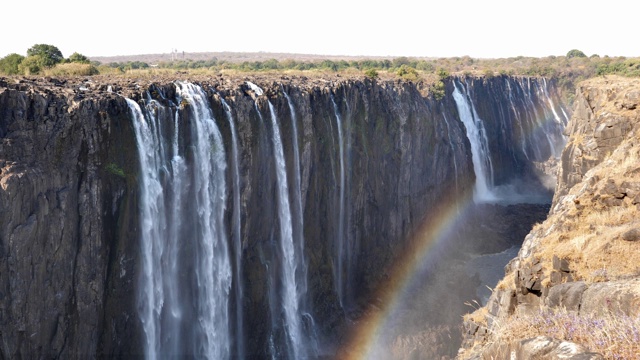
(71, 69)
(615, 336)
(588, 231)
(479, 316)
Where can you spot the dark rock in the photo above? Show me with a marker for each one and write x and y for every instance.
(631, 235)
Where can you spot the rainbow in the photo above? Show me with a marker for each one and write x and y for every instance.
(430, 237)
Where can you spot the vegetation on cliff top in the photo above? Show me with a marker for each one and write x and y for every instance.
(575, 66)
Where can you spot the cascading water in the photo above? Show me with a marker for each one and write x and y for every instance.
(153, 217)
(213, 268)
(175, 263)
(480, 155)
(298, 226)
(292, 266)
(290, 295)
(236, 231)
(342, 250)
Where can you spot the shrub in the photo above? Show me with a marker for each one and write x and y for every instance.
(10, 64)
(31, 65)
(443, 73)
(438, 90)
(72, 69)
(371, 73)
(408, 73)
(78, 58)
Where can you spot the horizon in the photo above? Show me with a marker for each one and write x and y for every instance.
(484, 30)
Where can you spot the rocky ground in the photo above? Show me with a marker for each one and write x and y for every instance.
(574, 289)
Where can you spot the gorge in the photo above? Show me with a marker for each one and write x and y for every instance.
(259, 217)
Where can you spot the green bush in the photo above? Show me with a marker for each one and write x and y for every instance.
(371, 73)
(31, 65)
(10, 64)
(407, 73)
(78, 58)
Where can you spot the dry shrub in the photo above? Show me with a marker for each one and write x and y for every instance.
(72, 69)
(615, 336)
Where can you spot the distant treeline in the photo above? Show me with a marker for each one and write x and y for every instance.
(574, 66)
(552, 66)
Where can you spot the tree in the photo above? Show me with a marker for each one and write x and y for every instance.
(10, 64)
(78, 58)
(576, 53)
(49, 54)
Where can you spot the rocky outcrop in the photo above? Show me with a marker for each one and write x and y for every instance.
(582, 259)
(70, 196)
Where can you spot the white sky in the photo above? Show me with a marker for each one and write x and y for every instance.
(443, 28)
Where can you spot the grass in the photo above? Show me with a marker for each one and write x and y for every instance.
(615, 336)
(72, 69)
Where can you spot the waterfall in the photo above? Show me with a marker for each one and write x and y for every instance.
(557, 126)
(480, 154)
(183, 243)
(342, 249)
(236, 231)
(213, 267)
(290, 295)
(153, 225)
(298, 224)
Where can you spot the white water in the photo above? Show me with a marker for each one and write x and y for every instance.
(166, 183)
(151, 297)
(290, 296)
(301, 264)
(342, 250)
(212, 261)
(236, 231)
(255, 88)
(480, 155)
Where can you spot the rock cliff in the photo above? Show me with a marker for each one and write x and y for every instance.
(576, 279)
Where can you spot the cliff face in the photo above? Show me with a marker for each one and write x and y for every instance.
(576, 271)
(374, 158)
(62, 215)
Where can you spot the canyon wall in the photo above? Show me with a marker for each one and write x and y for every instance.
(573, 291)
(374, 158)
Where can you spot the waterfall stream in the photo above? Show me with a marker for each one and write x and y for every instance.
(290, 296)
(342, 249)
(480, 154)
(173, 262)
(236, 231)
